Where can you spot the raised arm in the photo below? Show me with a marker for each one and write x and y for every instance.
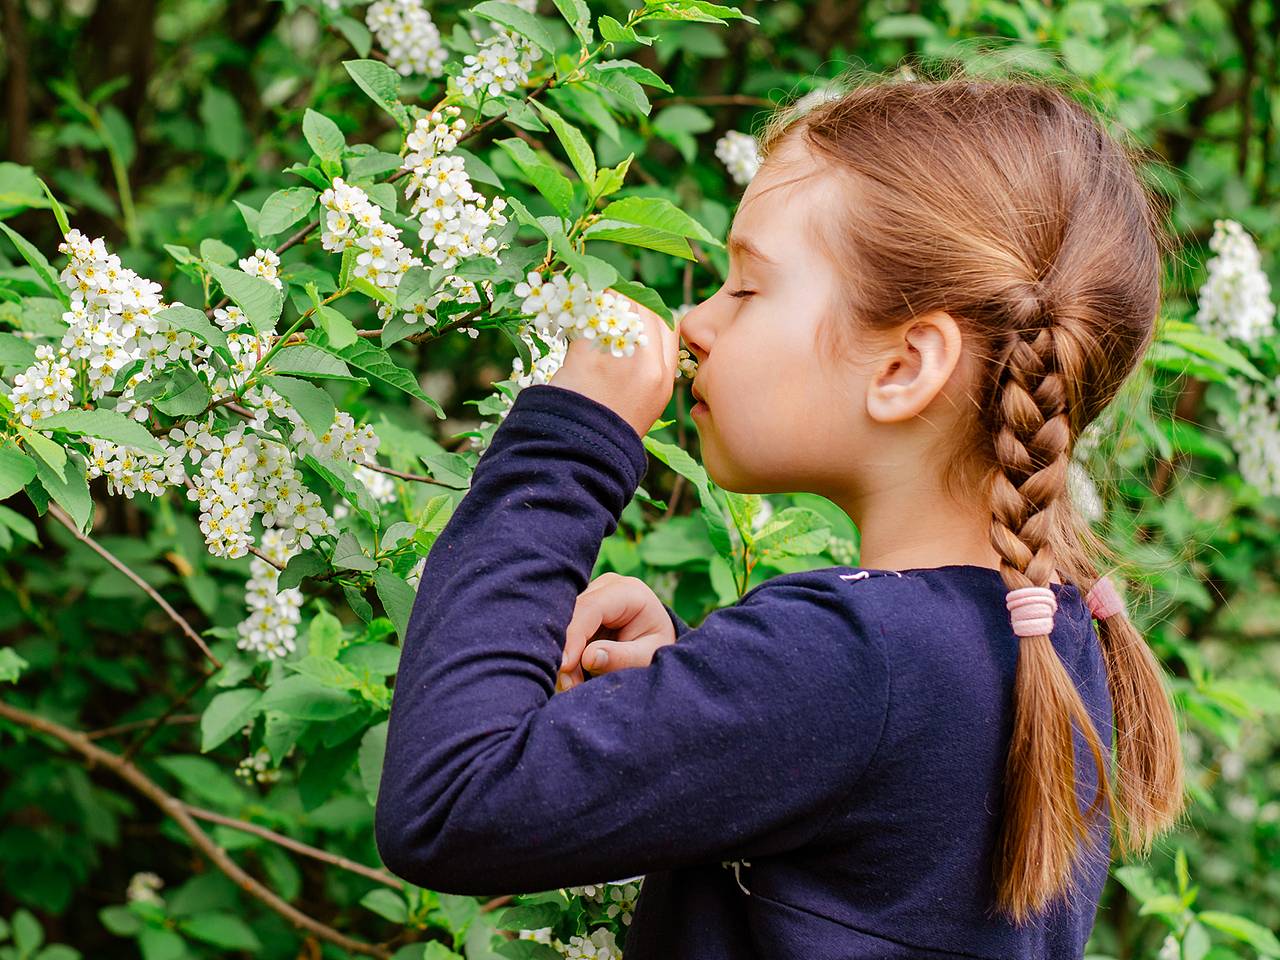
(742, 738)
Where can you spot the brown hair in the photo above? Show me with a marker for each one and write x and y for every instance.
(1006, 204)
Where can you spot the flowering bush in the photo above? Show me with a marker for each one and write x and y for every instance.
(230, 459)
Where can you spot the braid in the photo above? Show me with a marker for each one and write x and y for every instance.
(1042, 824)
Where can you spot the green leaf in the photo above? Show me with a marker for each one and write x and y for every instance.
(20, 188)
(578, 16)
(105, 425)
(339, 475)
(376, 362)
(261, 302)
(16, 351)
(181, 317)
(69, 490)
(348, 554)
(157, 943)
(794, 531)
(700, 10)
(644, 296)
(1211, 348)
(224, 930)
(415, 288)
(121, 921)
(387, 904)
(646, 237)
(614, 32)
(38, 263)
(308, 361)
(357, 34)
(397, 598)
(215, 251)
(11, 665)
(546, 179)
(19, 525)
(59, 214)
(323, 135)
(204, 778)
(1254, 934)
(284, 208)
(518, 19)
(575, 144)
(660, 213)
(224, 124)
(373, 748)
(185, 394)
(324, 636)
(598, 273)
(308, 699)
(313, 403)
(44, 448)
(225, 715)
(382, 84)
(680, 461)
(16, 470)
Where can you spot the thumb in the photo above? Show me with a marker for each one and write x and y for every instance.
(619, 654)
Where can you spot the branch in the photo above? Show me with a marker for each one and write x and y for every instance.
(56, 512)
(405, 476)
(296, 846)
(135, 724)
(183, 816)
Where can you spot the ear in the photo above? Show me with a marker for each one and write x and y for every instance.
(923, 354)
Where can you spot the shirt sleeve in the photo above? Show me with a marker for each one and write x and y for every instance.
(742, 739)
(681, 627)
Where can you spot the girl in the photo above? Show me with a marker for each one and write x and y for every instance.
(934, 287)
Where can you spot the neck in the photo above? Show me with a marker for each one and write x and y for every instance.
(909, 523)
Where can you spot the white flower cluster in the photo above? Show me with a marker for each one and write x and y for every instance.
(264, 264)
(131, 471)
(565, 306)
(601, 945)
(110, 324)
(44, 388)
(1253, 430)
(501, 63)
(271, 628)
(257, 768)
(411, 39)
(142, 888)
(740, 153)
(1235, 300)
(353, 220)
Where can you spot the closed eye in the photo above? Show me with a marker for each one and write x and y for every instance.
(742, 293)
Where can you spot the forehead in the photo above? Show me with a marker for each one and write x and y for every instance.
(775, 220)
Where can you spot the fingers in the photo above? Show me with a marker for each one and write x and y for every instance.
(619, 655)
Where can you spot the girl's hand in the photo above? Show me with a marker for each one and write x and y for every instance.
(637, 388)
(630, 614)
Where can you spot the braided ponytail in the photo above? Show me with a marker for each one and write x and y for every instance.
(1042, 827)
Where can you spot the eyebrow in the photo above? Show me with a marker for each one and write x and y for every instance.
(745, 247)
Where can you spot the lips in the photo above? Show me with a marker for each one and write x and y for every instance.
(696, 395)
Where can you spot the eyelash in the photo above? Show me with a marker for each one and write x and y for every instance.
(742, 293)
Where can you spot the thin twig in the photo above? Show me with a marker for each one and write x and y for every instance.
(179, 811)
(373, 873)
(416, 478)
(150, 591)
(135, 724)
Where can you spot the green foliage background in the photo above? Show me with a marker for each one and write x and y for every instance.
(158, 122)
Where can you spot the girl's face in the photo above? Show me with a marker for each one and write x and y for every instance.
(777, 420)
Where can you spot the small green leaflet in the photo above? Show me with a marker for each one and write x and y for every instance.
(397, 598)
(382, 84)
(313, 403)
(226, 714)
(546, 179)
(258, 298)
(661, 214)
(683, 464)
(284, 208)
(323, 136)
(340, 476)
(37, 262)
(575, 144)
(16, 470)
(578, 16)
(69, 489)
(376, 362)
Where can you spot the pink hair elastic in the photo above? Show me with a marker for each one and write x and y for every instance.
(1103, 601)
(1031, 610)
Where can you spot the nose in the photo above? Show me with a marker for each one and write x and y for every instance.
(695, 331)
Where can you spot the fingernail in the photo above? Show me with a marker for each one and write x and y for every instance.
(600, 659)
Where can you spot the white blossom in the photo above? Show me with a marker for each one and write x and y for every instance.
(1235, 300)
(142, 888)
(500, 64)
(44, 388)
(271, 628)
(411, 39)
(257, 768)
(264, 264)
(601, 945)
(566, 306)
(1252, 428)
(740, 153)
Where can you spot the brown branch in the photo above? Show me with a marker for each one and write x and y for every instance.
(182, 815)
(416, 478)
(150, 591)
(135, 724)
(373, 873)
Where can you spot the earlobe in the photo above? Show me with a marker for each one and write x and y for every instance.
(915, 371)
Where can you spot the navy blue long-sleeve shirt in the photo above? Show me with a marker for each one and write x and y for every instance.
(840, 733)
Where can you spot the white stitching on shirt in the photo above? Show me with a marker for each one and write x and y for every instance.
(863, 575)
(737, 865)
